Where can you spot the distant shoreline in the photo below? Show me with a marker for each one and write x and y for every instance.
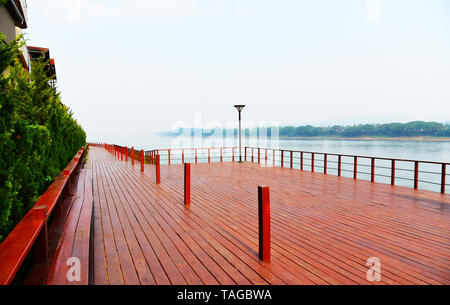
(431, 139)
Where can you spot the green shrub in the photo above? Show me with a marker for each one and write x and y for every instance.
(38, 135)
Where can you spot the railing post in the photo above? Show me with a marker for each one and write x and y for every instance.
(339, 165)
(443, 178)
(40, 246)
(372, 172)
(264, 223)
(245, 154)
(187, 184)
(273, 155)
(158, 169)
(196, 156)
(312, 162)
(168, 152)
(67, 187)
(282, 158)
(142, 160)
(292, 165)
(121, 154)
(182, 156)
(232, 153)
(132, 155)
(301, 160)
(355, 167)
(259, 155)
(266, 156)
(325, 159)
(252, 154)
(221, 157)
(209, 155)
(416, 175)
(126, 153)
(392, 172)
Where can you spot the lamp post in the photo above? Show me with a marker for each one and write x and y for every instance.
(239, 109)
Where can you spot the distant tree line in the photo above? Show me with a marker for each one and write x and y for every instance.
(411, 129)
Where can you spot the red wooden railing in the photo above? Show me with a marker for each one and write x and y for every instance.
(420, 174)
(195, 155)
(31, 234)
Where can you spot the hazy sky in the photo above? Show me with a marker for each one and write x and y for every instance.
(142, 65)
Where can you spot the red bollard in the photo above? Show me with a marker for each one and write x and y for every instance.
(187, 184)
(142, 160)
(264, 223)
(158, 170)
(132, 155)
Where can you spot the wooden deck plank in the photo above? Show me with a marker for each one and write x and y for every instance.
(58, 270)
(324, 228)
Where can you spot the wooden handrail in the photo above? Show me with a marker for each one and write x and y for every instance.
(31, 230)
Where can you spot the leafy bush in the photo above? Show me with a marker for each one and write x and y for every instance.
(38, 135)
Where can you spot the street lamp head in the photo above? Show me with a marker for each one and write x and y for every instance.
(239, 107)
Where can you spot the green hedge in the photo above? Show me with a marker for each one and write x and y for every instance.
(38, 135)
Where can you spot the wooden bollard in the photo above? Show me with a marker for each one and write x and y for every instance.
(187, 184)
(264, 223)
(126, 153)
(158, 169)
(132, 155)
(142, 160)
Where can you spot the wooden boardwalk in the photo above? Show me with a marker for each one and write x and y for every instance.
(324, 228)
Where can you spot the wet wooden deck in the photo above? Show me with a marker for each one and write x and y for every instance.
(324, 228)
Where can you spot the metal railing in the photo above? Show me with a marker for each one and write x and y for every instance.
(417, 174)
(193, 155)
